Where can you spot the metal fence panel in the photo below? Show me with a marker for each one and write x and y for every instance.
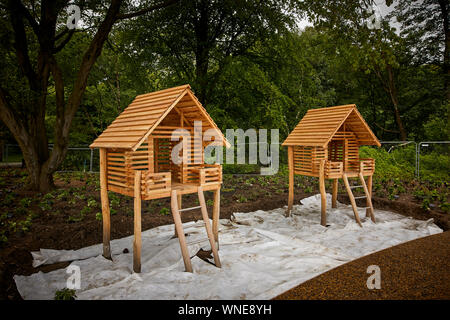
(430, 157)
(433, 159)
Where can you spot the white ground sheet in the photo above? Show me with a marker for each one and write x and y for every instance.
(263, 254)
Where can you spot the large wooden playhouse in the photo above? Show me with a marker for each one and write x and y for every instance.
(135, 160)
(325, 144)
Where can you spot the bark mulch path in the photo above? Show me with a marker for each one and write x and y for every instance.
(418, 269)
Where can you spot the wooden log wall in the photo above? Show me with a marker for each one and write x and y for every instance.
(307, 159)
(116, 169)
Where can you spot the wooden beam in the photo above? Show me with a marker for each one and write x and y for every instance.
(183, 118)
(291, 180)
(335, 192)
(151, 154)
(137, 243)
(323, 195)
(105, 204)
(216, 215)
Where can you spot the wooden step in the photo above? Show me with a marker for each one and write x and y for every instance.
(352, 199)
(191, 208)
(368, 197)
(180, 232)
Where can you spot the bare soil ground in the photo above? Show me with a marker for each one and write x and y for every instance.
(68, 218)
(417, 270)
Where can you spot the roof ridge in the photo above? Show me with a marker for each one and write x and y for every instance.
(318, 126)
(148, 94)
(132, 124)
(334, 107)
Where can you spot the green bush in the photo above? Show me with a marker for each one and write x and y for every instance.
(65, 294)
(435, 167)
(399, 163)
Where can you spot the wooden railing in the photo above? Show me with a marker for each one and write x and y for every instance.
(333, 168)
(367, 166)
(208, 173)
(155, 183)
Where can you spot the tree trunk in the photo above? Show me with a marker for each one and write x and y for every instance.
(40, 178)
(446, 69)
(202, 52)
(394, 99)
(27, 122)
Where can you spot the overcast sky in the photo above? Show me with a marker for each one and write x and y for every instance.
(381, 4)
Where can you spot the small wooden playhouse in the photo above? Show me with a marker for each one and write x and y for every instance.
(325, 144)
(135, 160)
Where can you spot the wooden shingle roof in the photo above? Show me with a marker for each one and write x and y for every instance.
(130, 129)
(318, 127)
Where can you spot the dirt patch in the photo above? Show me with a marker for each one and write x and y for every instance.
(417, 269)
(69, 217)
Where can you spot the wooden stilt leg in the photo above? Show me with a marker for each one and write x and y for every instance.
(179, 200)
(369, 197)
(180, 232)
(352, 199)
(291, 180)
(323, 195)
(335, 192)
(209, 232)
(105, 205)
(369, 212)
(137, 243)
(216, 215)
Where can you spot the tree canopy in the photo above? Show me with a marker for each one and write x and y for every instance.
(248, 62)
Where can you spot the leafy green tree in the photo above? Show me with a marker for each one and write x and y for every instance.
(196, 39)
(33, 36)
(378, 52)
(425, 25)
